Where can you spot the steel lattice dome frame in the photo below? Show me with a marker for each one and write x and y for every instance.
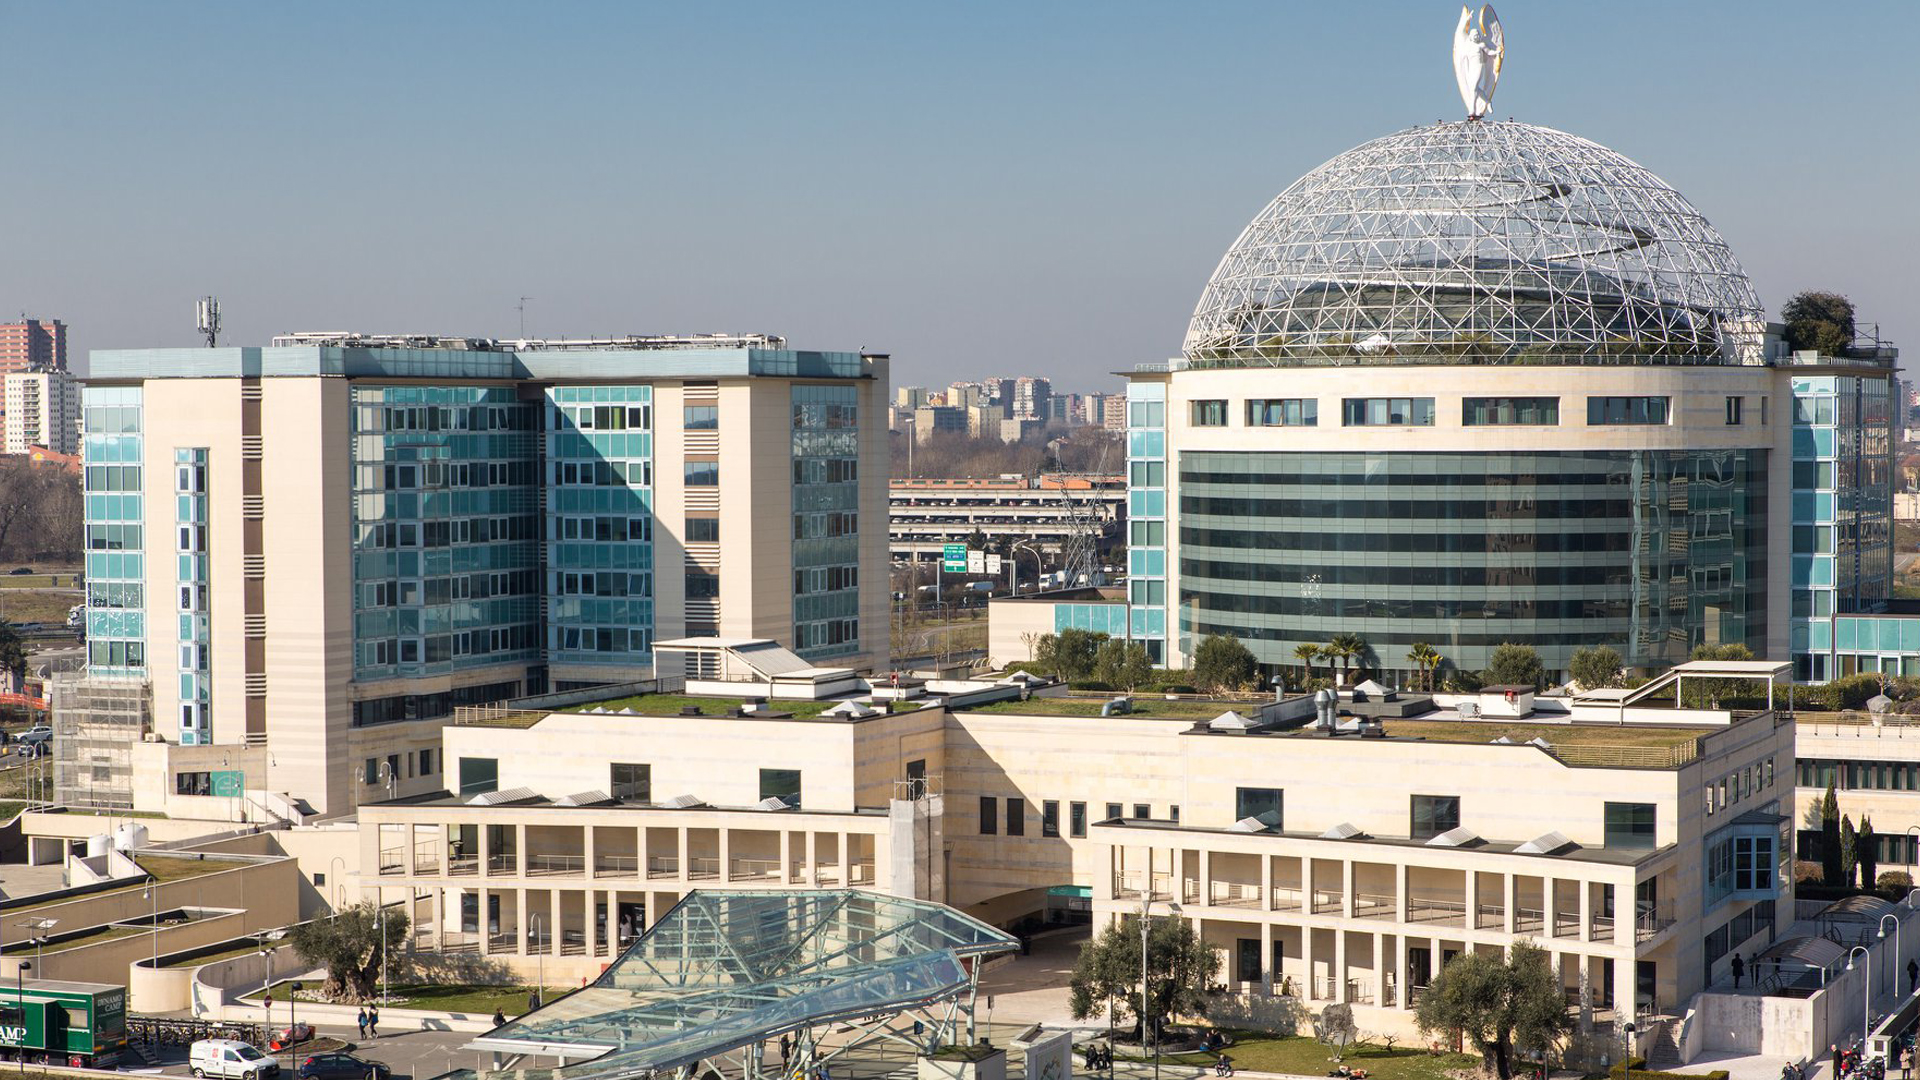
(1477, 242)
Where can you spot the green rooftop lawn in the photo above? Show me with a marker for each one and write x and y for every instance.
(247, 949)
(1303, 1056)
(467, 998)
(672, 704)
(1483, 731)
(1143, 705)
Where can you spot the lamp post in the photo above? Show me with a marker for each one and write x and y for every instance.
(1911, 831)
(20, 999)
(1146, 917)
(293, 1024)
(1626, 1049)
(540, 961)
(152, 891)
(1866, 994)
(1032, 549)
(1882, 935)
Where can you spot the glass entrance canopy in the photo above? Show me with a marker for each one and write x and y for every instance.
(722, 970)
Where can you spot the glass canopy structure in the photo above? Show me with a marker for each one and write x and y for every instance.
(1480, 241)
(726, 970)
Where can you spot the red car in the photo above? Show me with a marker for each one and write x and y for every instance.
(289, 1035)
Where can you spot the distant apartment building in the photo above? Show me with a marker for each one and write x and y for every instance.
(983, 421)
(1031, 397)
(43, 409)
(909, 397)
(930, 419)
(33, 343)
(321, 548)
(925, 514)
(1113, 413)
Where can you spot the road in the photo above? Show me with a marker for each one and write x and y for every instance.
(412, 1055)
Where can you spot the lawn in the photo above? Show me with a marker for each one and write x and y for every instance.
(466, 998)
(672, 704)
(1310, 1057)
(1480, 731)
(173, 867)
(1143, 705)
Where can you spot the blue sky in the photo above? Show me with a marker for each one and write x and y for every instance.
(978, 189)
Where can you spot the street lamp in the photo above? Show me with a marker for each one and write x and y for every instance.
(1033, 549)
(1912, 830)
(1866, 994)
(40, 924)
(293, 1025)
(20, 998)
(152, 891)
(1626, 1048)
(1146, 916)
(540, 962)
(1882, 935)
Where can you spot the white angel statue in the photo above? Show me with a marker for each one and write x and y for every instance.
(1477, 52)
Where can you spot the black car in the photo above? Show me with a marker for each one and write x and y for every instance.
(341, 1066)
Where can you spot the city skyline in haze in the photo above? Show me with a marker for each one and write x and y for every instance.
(1000, 189)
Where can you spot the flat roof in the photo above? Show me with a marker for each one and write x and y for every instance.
(482, 363)
(1573, 853)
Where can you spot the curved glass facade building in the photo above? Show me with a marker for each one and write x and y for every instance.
(1487, 382)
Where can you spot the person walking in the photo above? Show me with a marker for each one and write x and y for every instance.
(1913, 976)
(373, 1022)
(499, 1018)
(362, 1020)
(1739, 968)
(786, 1048)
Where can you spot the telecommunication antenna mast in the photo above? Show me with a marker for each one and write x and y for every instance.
(206, 318)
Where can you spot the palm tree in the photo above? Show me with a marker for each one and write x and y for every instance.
(1428, 660)
(1347, 647)
(1307, 654)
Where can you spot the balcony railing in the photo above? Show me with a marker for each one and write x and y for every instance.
(703, 868)
(393, 861)
(1491, 917)
(1529, 920)
(1566, 924)
(616, 865)
(503, 863)
(1326, 902)
(1367, 905)
(1286, 898)
(463, 865)
(1434, 909)
(752, 869)
(1128, 886)
(555, 865)
(663, 866)
(1649, 921)
(1234, 894)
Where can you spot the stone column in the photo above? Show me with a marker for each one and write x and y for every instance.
(1380, 969)
(520, 851)
(726, 852)
(1340, 960)
(1513, 903)
(482, 898)
(1266, 888)
(1204, 892)
(1402, 896)
(786, 856)
(1549, 923)
(1349, 884)
(1270, 972)
(684, 852)
(1472, 895)
(521, 925)
(1586, 911)
(588, 869)
(553, 928)
(1308, 990)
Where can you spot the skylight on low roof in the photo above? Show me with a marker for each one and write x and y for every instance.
(1550, 843)
(1459, 836)
(1346, 830)
(502, 798)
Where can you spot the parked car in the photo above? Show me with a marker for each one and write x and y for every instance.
(341, 1066)
(20, 570)
(34, 736)
(230, 1059)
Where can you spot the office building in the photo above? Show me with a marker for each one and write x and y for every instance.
(43, 409)
(33, 344)
(319, 549)
(1641, 853)
(1414, 408)
(1113, 413)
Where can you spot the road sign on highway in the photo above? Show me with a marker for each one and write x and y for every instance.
(953, 558)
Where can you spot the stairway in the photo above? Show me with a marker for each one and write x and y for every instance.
(1663, 1050)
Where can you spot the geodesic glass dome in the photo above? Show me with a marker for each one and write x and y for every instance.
(1483, 242)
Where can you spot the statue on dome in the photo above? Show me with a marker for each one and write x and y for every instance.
(1477, 52)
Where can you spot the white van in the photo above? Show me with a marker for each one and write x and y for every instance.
(230, 1059)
